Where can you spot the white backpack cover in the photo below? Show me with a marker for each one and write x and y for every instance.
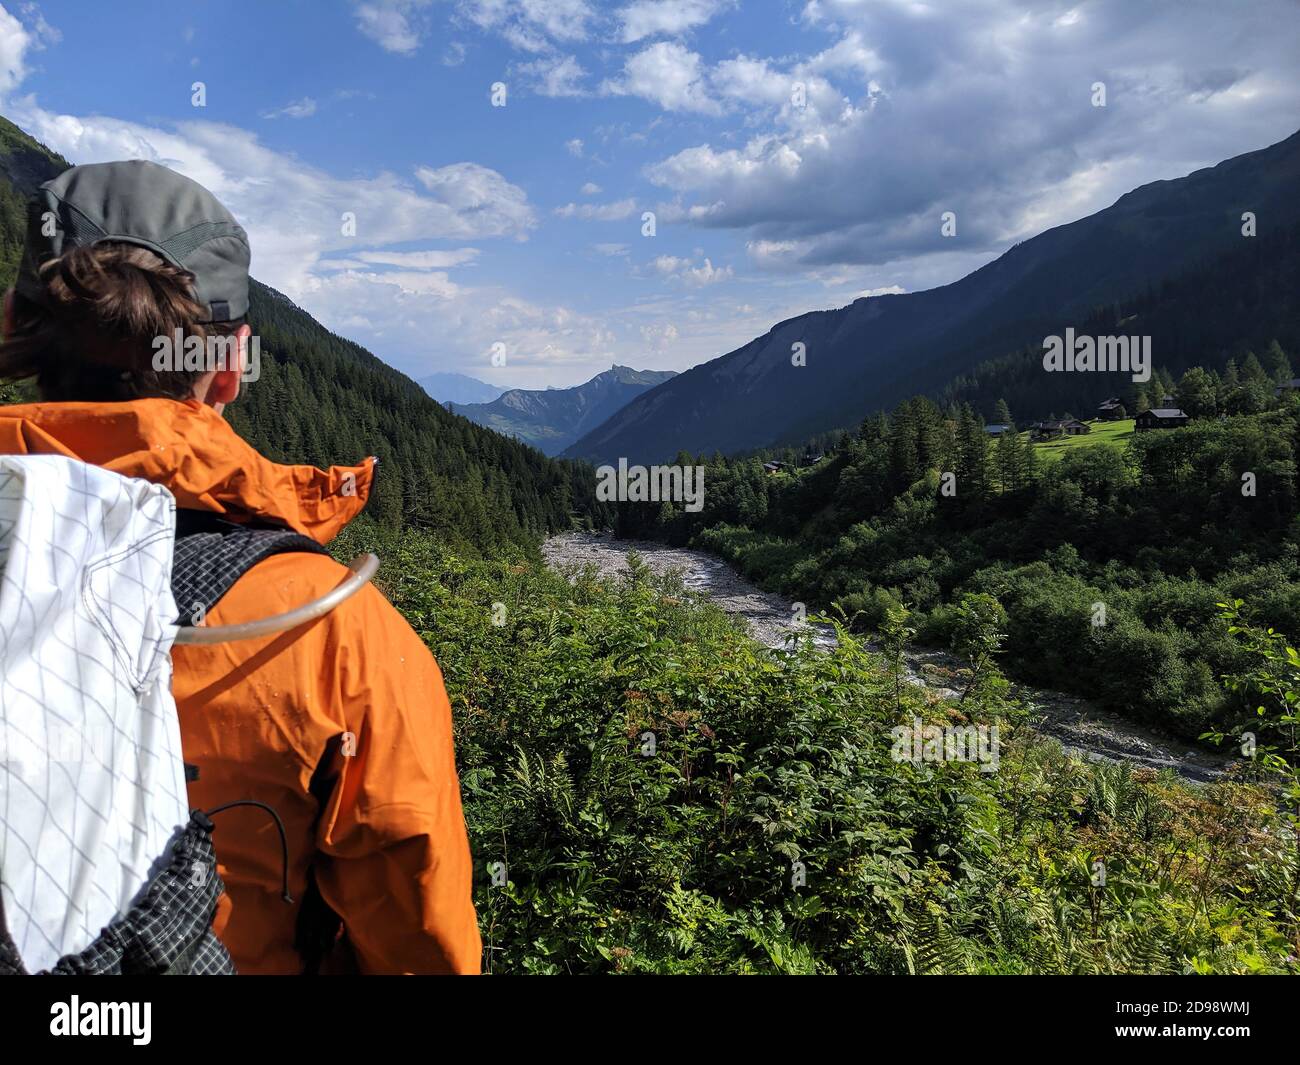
(92, 784)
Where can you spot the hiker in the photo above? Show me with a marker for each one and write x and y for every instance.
(341, 726)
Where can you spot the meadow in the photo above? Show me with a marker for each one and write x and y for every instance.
(1116, 434)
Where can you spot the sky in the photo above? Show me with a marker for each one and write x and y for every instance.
(528, 191)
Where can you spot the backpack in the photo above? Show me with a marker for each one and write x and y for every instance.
(103, 868)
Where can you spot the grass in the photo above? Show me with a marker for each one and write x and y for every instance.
(1115, 434)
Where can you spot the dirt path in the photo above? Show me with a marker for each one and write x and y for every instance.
(1080, 726)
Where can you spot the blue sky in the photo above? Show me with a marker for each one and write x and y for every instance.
(795, 155)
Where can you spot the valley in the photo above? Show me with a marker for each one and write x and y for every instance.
(1081, 727)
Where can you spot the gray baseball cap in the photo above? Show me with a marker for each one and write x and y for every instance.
(137, 202)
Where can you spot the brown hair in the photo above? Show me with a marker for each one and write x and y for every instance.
(91, 335)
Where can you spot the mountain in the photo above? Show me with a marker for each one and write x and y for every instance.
(323, 399)
(24, 164)
(459, 388)
(554, 418)
(877, 351)
(1244, 301)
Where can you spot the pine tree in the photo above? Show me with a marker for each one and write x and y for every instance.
(1252, 370)
(1030, 465)
(1006, 461)
(972, 455)
(904, 457)
(1276, 363)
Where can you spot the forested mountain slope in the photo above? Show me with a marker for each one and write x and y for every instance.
(1244, 299)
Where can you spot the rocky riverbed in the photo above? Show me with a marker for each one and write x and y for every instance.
(1080, 726)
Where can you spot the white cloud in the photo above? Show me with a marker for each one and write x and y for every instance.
(850, 54)
(477, 200)
(18, 39)
(676, 211)
(304, 108)
(800, 96)
(574, 147)
(419, 260)
(669, 75)
(599, 212)
(775, 253)
(660, 336)
(611, 250)
(433, 283)
(668, 264)
(14, 42)
(544, 345)
(797, 97)
(753, 81)
(397, 26)
(651, 18)
(685, 271)
(531, 25)
(396, 313)
(45, 33)
(590, 189)
(555, 76)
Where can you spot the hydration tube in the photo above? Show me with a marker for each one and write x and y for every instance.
(363, 567)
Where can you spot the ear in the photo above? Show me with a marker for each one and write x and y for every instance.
(224, 387)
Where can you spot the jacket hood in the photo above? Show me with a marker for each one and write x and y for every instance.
(191, 450)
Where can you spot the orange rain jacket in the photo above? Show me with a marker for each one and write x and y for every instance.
(386, 838)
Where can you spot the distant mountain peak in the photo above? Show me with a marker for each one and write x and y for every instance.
(459, 388)
(552, 418)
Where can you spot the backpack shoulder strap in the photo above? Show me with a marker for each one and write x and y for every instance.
(212, 554)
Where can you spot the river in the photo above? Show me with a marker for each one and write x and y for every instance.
(1081, 727)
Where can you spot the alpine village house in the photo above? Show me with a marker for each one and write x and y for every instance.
(1166, 416)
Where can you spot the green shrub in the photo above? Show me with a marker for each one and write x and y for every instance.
(665, 795)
